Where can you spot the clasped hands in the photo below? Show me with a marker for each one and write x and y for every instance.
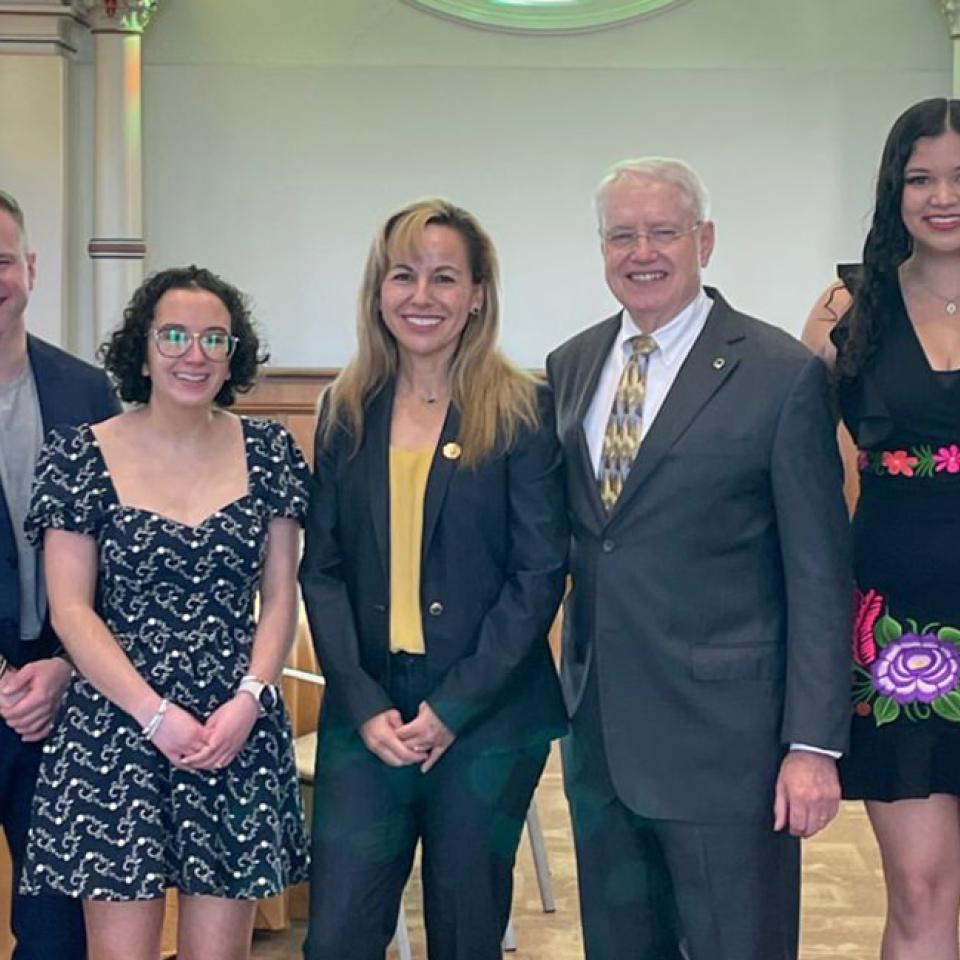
(191, 745)
(423, 740)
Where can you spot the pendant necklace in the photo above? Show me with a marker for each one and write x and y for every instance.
(950, 304)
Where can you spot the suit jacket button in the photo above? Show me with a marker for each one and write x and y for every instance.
(435, 608)
(608, 546)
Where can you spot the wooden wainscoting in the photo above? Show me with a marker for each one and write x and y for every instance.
(289, 395)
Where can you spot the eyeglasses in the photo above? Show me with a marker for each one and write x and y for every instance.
(175, 341)
(659, 238)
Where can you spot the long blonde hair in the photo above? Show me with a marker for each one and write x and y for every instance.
(495, 397)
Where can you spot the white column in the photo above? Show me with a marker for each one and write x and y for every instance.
(117, 247)
(951, 9)
(38, 44)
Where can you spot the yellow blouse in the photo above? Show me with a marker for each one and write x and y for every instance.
(408, 486)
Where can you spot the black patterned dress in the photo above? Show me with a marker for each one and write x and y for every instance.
(905, 419)
(112, 818)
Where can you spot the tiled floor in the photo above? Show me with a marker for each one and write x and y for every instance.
(842, 894)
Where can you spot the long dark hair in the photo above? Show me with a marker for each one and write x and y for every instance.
(888, 243)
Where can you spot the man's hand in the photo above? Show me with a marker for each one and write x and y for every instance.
(808, 793)
(31, 696)
(428, 734)
(379, 734)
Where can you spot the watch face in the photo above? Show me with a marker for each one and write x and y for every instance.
(268, 697)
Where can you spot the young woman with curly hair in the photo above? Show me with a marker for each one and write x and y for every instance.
(171, 764)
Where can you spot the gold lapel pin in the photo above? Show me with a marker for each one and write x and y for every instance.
(451, 451)
(719, 363)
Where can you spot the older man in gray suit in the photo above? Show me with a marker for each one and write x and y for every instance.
(705, 644)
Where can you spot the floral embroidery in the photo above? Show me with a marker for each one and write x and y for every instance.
(903, 670)
(922, 460)
(898, 461)
(916, 668)
(866, 611)
(948, 458)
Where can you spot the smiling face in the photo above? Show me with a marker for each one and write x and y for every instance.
(428, 294)
(192, 379)
(653, 281)
(17, 275)
(930, 205)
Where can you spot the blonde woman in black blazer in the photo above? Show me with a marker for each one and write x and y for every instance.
(430, 619)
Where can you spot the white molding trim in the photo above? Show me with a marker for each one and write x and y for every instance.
(41, 28)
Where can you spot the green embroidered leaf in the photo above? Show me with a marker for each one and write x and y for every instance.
(912, 624)
(886, 629)
(885, 710)
(948, 706)
(949, 633)
(925, 465)
(930, 627)
(861, 674)
(916, 711)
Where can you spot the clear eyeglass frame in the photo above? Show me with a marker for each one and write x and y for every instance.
(660, 238)
(215, 344)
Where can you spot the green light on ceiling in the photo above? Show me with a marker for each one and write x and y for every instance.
(544, 16)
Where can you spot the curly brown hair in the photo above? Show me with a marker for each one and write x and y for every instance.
(888, 243)
(124, 352)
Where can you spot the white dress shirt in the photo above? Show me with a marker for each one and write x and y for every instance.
(674, 340)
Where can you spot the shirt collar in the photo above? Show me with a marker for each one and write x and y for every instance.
(671, 337)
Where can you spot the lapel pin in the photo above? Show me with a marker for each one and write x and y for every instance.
(719, 363)
(451, 451)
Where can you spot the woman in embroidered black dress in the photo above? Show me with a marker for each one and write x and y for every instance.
(895, 342)
(171, 764)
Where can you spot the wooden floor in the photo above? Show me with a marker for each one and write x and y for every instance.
(843, 899)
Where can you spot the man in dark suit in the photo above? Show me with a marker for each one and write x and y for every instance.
(40, 387)
(705, 642)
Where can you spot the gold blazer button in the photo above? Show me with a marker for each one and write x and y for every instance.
(451, 451)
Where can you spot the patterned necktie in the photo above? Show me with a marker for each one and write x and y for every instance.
(621, 439)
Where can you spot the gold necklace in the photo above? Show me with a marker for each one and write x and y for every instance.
(950, 304)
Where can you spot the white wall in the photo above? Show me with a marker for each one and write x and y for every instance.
(278, 135)
(33, 167)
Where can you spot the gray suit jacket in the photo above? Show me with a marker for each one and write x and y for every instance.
(714, 600)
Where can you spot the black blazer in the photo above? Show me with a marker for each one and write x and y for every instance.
(713, 602)
(70, 392)
(492, 572)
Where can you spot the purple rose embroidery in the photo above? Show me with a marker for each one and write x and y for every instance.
(916, 667)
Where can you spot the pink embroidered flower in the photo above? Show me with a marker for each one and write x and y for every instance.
(867, 607)
(947, 458)
(863, 461)
(899, 461)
